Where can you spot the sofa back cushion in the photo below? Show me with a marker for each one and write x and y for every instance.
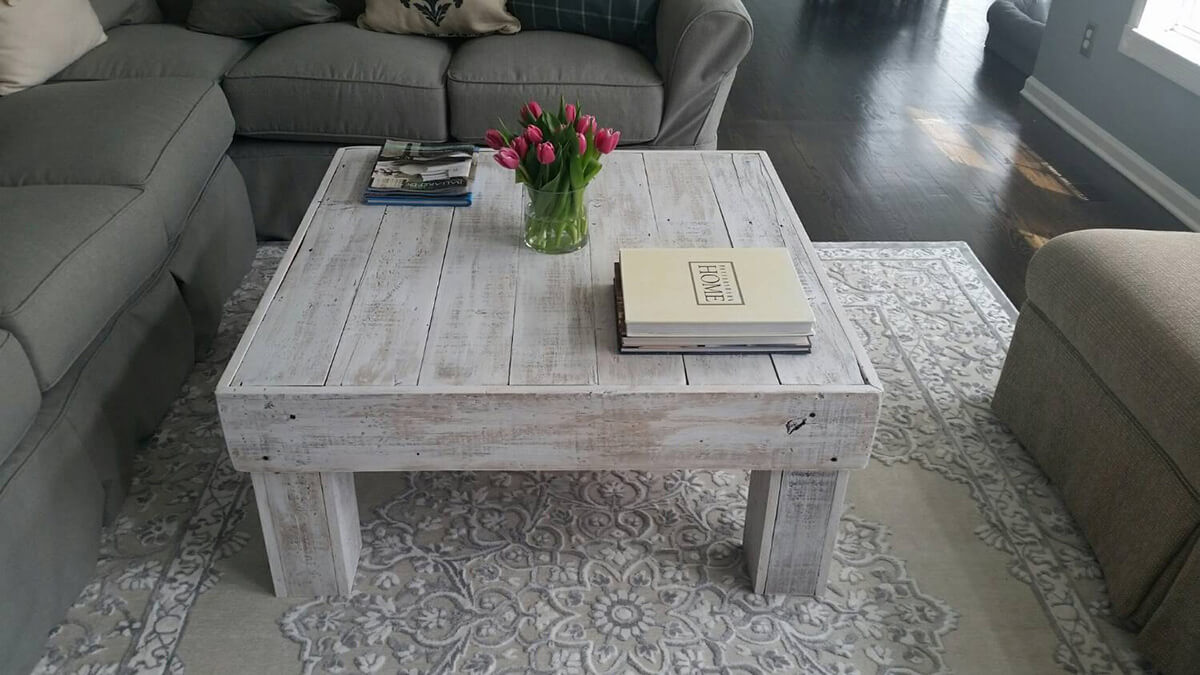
(629, 22)
(40, 38)
(256, 18)
(117, 12)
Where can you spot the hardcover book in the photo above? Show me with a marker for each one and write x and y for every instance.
(726, 295)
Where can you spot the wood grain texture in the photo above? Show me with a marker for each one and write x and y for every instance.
(851, 361)
(757, 215)
(311, 530)
(384, 338)
(281, 272)
(550, 428)
(622, 216)
(350, 180)
(793, 551)
(470, 339)
(304, 323)
(762, 503)
(554, 339)
(689, 215)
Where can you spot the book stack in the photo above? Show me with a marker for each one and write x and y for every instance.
(711, 301)
(416, 174)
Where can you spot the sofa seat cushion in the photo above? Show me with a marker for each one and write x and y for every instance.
(20, 396)
(166, 135)
(338, 83)
(73, 257)
(493, 76)
(158, 50)
(1126, 301)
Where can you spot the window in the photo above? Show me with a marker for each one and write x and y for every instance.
(1164, 35)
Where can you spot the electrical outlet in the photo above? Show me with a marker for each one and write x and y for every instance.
(1089, 39)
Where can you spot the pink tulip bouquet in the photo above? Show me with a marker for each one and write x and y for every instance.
(554, 157)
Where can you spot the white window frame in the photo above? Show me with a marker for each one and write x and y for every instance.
(1170, 50)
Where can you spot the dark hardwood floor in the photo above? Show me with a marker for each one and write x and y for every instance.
(888, 122)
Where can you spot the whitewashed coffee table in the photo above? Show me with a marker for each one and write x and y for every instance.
(410, 339)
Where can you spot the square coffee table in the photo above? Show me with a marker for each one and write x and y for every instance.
(429, 339)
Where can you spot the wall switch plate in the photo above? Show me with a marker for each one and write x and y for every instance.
(1089, 39)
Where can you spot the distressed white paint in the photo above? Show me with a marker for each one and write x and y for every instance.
(310, 525)
(426, 339)
(791, 528)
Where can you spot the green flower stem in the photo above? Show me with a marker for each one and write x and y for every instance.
(556, 222)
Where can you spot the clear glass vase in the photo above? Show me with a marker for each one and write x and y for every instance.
(555, 222)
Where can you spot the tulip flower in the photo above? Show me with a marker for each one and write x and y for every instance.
(571, 113)
(545, 153)
(606, 140)
(531, 111)
(493, 139)
(585, 123)
(533, 135)
(508, 158)
(520, 145)
(582, 143)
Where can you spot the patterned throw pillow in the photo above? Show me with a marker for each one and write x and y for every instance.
(629, 22)
(443, 18)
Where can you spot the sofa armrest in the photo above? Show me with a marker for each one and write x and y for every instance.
(700, 44)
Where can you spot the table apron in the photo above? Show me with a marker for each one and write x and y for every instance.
(292, 430)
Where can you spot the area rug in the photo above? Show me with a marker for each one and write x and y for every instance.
(953, 555)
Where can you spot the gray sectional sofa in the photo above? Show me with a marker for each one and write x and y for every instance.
(133, 185)
(1015, 30)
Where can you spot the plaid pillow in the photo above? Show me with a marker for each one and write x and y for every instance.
(629, 22)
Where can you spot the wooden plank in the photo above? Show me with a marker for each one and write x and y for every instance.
(384, 337)
(622, 216)
(761, 505)
(554, 339)
(549, 428)
(345, 530)
(798, 544)
(688, 215)
(311, 531)
(756, 216)
(829, 312)
(289, 256)
(470, 337)
(350, 180)
(304, 322)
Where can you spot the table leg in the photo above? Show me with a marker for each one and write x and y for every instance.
(310, 526)
(791, 526)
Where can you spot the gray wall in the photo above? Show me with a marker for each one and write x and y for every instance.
(1155, 117)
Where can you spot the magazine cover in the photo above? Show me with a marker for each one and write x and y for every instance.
(413, 169)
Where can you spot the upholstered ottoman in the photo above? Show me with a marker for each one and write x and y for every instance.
(1102, 386)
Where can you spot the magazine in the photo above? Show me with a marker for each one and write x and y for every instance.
(426, 175)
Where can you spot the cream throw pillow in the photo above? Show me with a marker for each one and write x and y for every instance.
(38, 38)
(442, 18)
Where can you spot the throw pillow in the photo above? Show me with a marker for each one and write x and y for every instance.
(38, 38)
(629, 22)
(120, 12)
(439, 17)
(256, 18)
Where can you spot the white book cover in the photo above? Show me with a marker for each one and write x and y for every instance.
(726, 292)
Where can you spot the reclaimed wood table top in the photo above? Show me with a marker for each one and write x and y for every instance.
(398, 301)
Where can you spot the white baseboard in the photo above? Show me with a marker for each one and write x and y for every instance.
(1171, 195)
